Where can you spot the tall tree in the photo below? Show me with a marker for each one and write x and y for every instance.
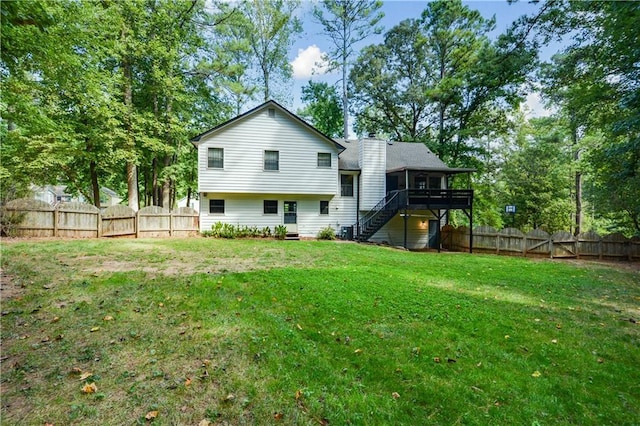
(441, 80)
(535, 178)
(598, 79)
(322, 108)
(269, 28)
(346, 23)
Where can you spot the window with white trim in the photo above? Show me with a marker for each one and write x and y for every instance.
(272, 160)
(270, 207)
(324, 207)
(324, 159)
(215, 158)
(346, 185)
(216, 206)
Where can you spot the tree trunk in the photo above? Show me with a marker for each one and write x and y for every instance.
(94, 183)
(578, 179)
(132, 169)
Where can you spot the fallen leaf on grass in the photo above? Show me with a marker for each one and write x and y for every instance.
(395, 395)
(554, 341)
(76, 370)
(600, 360)
(187, 382)
(230, 397)
(278, 416)
(357, 351)
(55, 319)
(536, 374)
(94, 329)
(204, 422)
(298, 394)
(558, 326)
(89, 388)
(436, 359)
(85, 375)
(151, 415)
(299, 327)
(107, 318)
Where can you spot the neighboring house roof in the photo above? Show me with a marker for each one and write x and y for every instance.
(269, 104)
(400, 156)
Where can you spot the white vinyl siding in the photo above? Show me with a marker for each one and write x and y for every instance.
(245, 142)
(246, 209)
(373, 161)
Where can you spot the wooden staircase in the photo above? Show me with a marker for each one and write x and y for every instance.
(379, 216)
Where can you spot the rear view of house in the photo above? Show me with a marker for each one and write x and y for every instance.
(268, 167)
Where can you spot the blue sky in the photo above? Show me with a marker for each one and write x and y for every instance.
(309, 48)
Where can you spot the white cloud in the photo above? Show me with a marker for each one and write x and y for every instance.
(534, 107)
(309, 62)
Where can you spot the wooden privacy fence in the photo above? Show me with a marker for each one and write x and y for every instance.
(540, 243)
(79, 220)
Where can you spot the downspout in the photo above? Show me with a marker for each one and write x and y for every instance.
(358, 206)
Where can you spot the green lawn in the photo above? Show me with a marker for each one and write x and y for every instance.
(190, 331)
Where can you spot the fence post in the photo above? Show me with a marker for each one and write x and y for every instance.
(171, 223)
(497, 243)
(99, 224)
(550, 247)
(55, 221)
(136, 224)
(600, 249)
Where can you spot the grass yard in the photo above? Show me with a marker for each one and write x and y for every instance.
(201, 331)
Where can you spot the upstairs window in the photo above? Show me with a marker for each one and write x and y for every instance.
(324, 159)
(346, 185)
(215, 158)
(216, 206)
(272, 160)
(324, 207)
(270, 207)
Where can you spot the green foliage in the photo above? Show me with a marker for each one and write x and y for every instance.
(536, 179)
(441, 80)
(263, 31)
(595, 83)
(327, 233)
(280, 232)
(229, 231)
(346, 23)
(323, 108)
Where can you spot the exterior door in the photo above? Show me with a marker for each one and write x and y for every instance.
(434, 231)
(291, 216)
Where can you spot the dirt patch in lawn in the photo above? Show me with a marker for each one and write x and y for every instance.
(9, 287)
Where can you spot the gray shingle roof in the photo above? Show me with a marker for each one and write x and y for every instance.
(400, 155)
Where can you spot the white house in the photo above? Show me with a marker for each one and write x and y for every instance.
(268, 167)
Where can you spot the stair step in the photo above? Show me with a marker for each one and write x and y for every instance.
(292, 236)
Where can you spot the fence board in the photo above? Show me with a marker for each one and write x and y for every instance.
(77, 220)
(485, 238)
(154, 221)
(511, 240)
(185, 222)
(38, 220)
(118, 221)
(589, 245)
(615, 246)
(634, 248)
(538, 243)
(563, 244)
